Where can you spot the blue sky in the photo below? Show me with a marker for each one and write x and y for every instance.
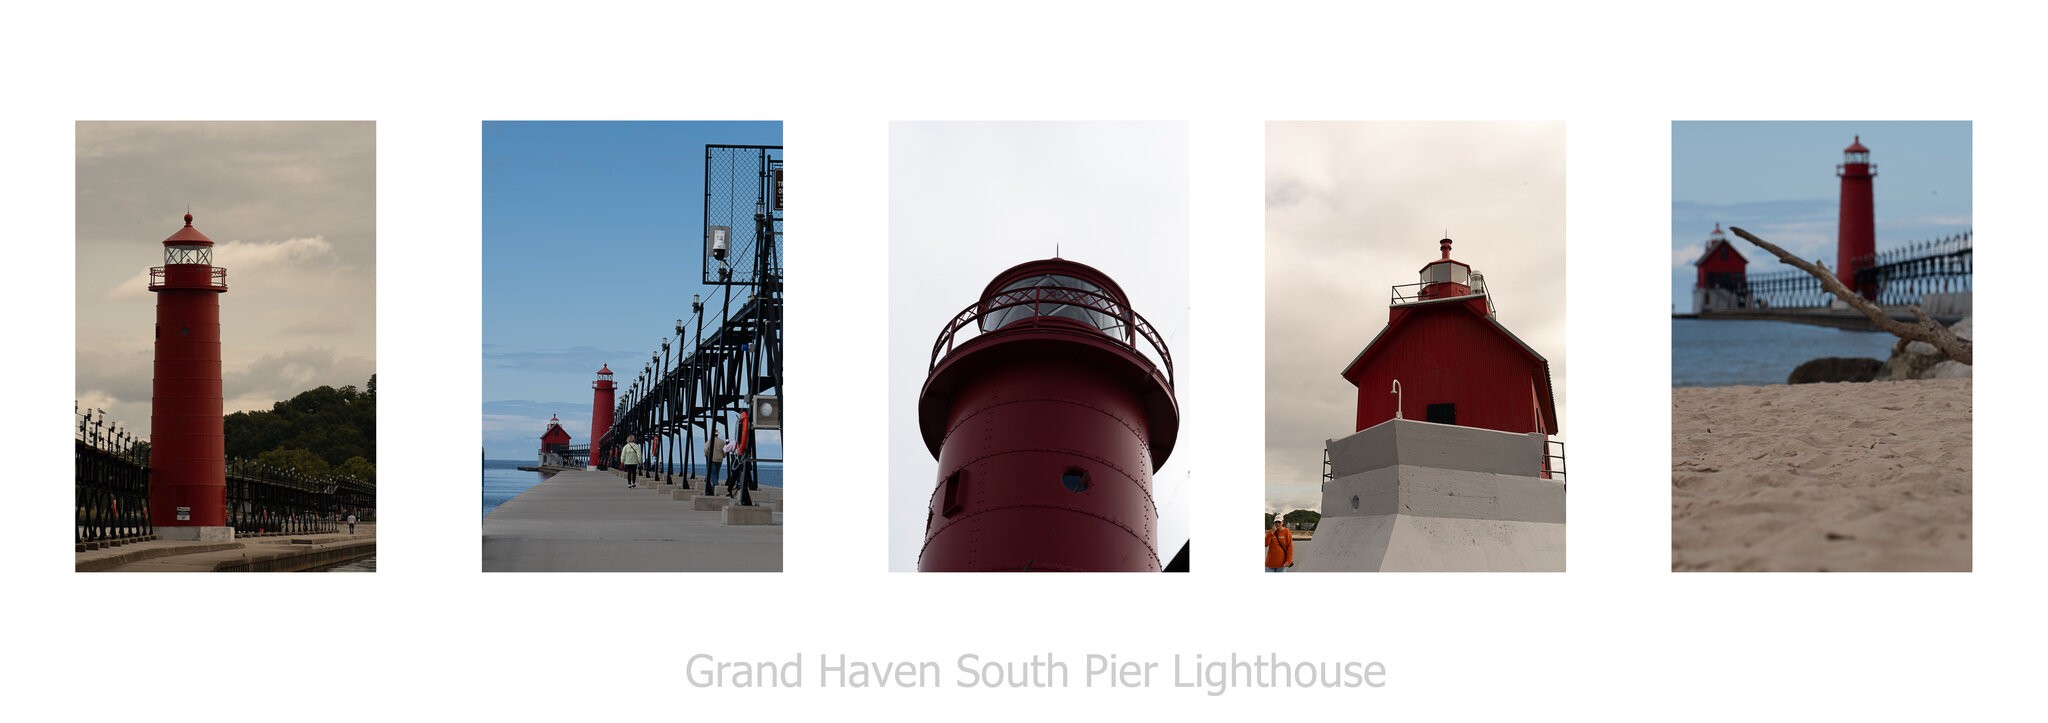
(592, 233)
(1776, 179)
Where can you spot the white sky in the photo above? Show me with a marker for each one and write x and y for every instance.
(1355, 208)
(291, 209)
(967, 200)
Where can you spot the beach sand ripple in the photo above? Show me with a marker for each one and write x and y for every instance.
(1870, 476)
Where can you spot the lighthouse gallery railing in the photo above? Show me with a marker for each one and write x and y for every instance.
(1045, 302)
(216, 278)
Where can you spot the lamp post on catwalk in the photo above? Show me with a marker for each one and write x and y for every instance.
(188, 484)
(1048, 419)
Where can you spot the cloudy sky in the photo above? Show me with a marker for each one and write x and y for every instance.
(1355, 208)
(968, 200)
(291, 208)
(592, 248)
(1776, 179)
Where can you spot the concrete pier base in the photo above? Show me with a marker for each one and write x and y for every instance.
(714, 502)
(682, 494)
(196, 534)
(1416, 496)
(755, 515)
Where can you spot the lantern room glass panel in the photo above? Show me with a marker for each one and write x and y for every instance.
(1107, 321)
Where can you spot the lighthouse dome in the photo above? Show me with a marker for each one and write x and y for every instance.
(188, 236)
(1055, 288)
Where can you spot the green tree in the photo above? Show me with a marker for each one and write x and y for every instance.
(333, 424)
(306, 462)
(1300, 519)
(358, 468)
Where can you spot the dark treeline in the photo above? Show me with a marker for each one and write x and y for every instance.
(1308, 518)
(320, 431)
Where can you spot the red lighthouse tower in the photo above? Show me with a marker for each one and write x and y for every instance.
(188, 483)
(1048, 425)
(1451, 360)
(1856, 245)
(601, 402)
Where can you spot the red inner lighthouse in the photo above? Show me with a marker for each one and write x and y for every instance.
(1453, 361)
(187, 448)
(1048, 425)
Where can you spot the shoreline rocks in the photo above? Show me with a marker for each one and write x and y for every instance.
(1920, 360)
(1836, 369)
(1908, 361)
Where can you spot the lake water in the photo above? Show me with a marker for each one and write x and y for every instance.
(1725, 352)
(503, 480)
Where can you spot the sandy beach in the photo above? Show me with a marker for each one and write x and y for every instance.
(1827, 477)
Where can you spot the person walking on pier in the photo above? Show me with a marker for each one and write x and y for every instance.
(714, 452)
(351, 523)
(629, 457)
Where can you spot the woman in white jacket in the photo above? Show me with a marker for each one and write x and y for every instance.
(629, 457)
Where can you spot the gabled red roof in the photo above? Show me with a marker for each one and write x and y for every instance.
(1714, 242)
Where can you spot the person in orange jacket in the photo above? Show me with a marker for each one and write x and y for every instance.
(1279, 547)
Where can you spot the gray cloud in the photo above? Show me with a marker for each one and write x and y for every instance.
(579, 360)
(291, 208)
(279, 376)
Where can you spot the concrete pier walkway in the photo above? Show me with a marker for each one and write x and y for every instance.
(578, 521)
(271, 553)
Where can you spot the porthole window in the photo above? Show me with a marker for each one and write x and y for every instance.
(1354, 502)
(1074, 479)
(955, 494)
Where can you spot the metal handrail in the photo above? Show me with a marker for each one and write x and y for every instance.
(1134, 325)
(1553, 462)
(113, 481)
(1478, 286)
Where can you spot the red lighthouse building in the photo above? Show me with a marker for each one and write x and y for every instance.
(1444, 358)
(554, 441)
(1048, 424)
(1723, 276)
(1856, 244)
(601, 403)
(187, 448)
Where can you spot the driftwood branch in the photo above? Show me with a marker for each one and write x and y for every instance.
(1925, 329)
